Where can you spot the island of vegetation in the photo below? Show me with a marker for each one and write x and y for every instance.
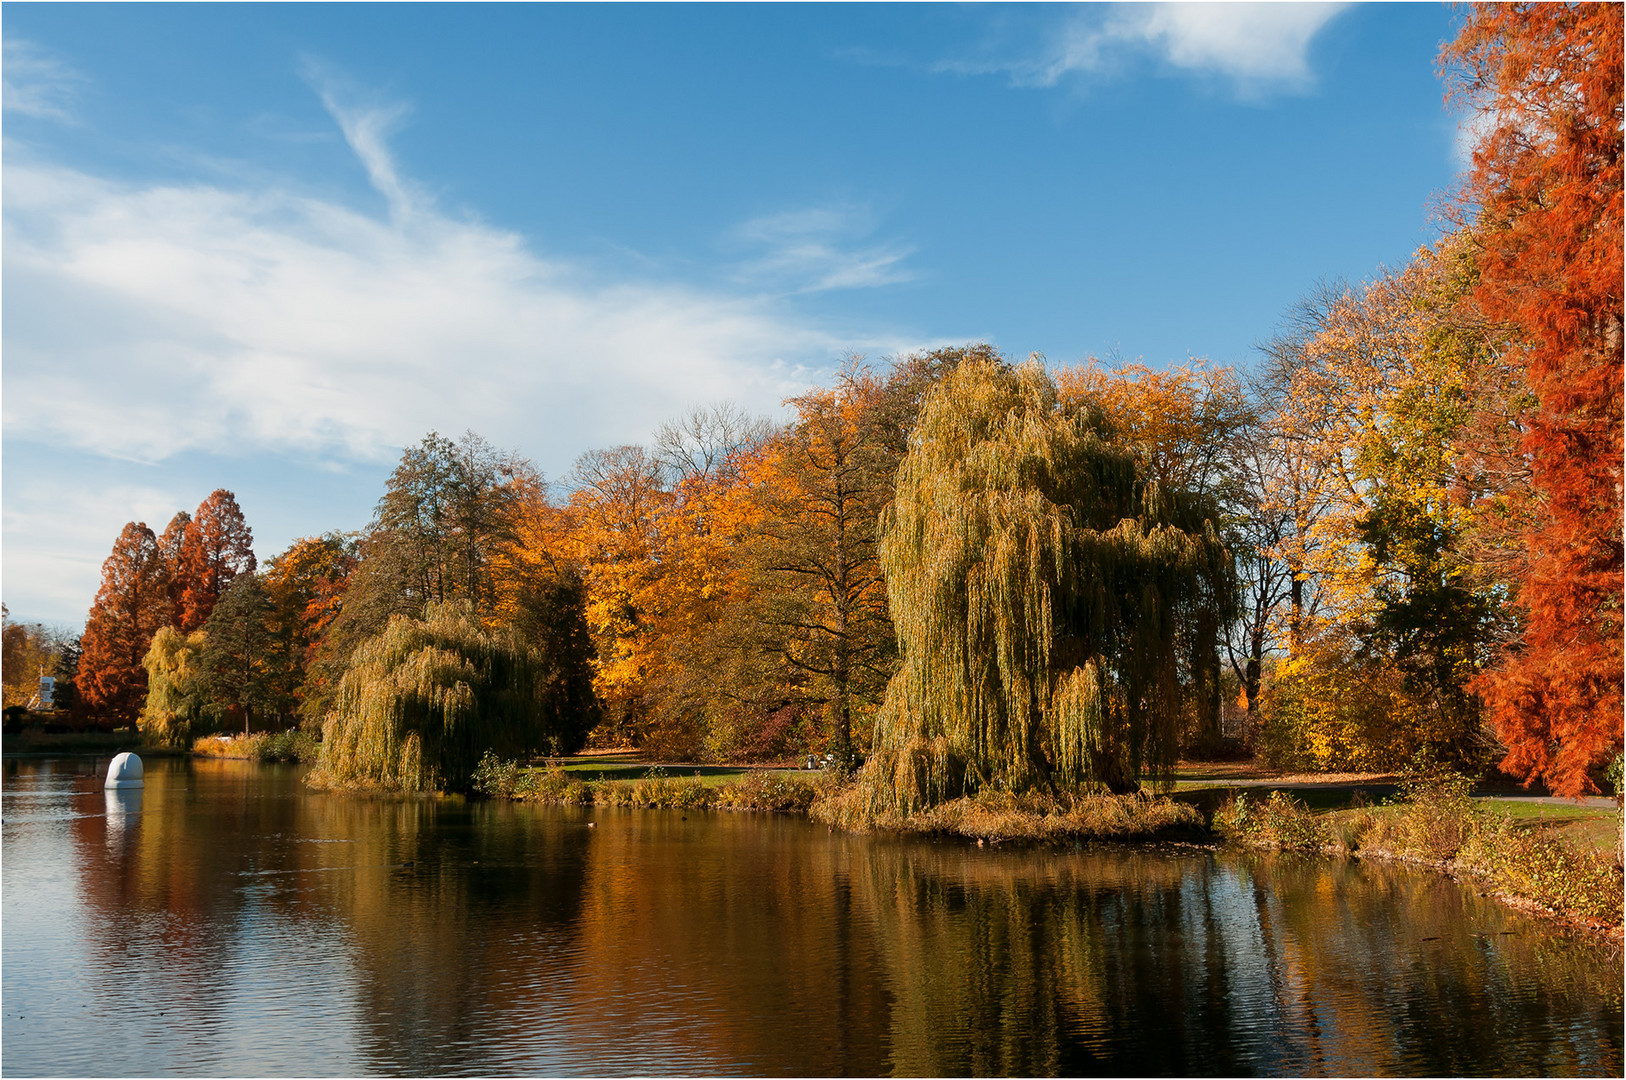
(1005, 600)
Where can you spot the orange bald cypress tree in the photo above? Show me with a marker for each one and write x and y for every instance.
(217, 547)
(1546, 191)
(131, 605)
(171, 546)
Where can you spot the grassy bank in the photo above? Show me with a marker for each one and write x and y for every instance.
(988, 816)
(996, 816)
(290, 745)
(1522, 858)
(69, 743)
(1555, 859)
(781, 791)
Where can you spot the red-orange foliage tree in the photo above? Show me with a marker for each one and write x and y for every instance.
(131, 605)
(171, 546)
(1546, 185)
(218, 546)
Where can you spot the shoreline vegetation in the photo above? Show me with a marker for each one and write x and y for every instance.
(1529, 865)
(291, 744)
(1533, 863)
(1432, 822)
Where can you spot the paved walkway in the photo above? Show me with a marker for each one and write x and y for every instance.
(1600, 802)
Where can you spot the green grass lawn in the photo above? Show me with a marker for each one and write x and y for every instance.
(1586, 827)
(1207, 796)
(1548, 811)
(1592, 827)
(625, 767)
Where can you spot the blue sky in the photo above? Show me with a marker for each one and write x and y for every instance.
(264, 247)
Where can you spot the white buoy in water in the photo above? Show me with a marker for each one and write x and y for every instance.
(125, 771)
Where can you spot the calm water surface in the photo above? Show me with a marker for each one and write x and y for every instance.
(226, 921)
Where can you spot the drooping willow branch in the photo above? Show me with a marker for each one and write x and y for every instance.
(1050, 606)
(424, 699)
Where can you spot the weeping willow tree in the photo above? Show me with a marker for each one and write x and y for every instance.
(1050, 605)
(422, 701)
(178, 700)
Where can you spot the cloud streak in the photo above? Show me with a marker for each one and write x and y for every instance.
(241, 326)
(817, 249)
(1257, 47)
(367, 129)
(38, 84)
(146, 321)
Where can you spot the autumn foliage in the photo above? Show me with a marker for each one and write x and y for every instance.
(1401, 533)
(152, 582)
(131, 606)
(216, 546)
(1545, 205)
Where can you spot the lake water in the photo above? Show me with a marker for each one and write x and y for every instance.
(226, 921)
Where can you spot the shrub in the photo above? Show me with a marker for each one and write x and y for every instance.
(495, 777)
(502, 779)
(290, 745)
(1438, 817)
(228, 746)
(293, 744)
(656, 789)
(1336, 707)
(1280, 821)
(554, 785)
(773, 791)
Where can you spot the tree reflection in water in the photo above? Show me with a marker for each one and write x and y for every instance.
(1112, 961)
(285, 932)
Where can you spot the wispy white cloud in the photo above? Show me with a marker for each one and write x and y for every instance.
(1258, 47)
(37, 83)
(239, 319)
(366, 127)
(147, 320)
(820, 248)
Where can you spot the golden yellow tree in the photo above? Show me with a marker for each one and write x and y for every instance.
(30, 652)
(712, 687)
(1383, 394)
(777, 637)
(822, 485)
(615, 514)
(1178, 423)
